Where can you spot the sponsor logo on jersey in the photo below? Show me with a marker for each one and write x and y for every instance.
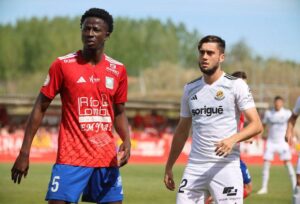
(194, 98)
(94, 79)
(208, 111)
(112, 69)
(69, 60)
(219, 95)
(230, 191)
(47, 80)
(109, 82)
(81, 80)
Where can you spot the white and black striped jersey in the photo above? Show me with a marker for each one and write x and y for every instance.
(215, 111)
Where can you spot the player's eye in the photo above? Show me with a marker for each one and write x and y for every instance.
(208, 52)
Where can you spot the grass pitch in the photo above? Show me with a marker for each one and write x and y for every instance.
(143, 184)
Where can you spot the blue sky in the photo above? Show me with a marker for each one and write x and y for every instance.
(269, 27)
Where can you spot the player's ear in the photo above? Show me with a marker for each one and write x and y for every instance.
(222, 57)
(107, 35)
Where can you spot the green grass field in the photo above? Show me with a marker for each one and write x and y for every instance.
(143, 184)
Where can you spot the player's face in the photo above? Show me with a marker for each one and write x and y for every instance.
(278, 104)
(94, 32)
(210, 58)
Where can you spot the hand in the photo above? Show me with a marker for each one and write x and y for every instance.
(169, 182)
(224, 147)
(20, 168)
(124, 153)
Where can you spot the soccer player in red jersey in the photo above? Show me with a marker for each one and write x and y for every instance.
(93, 92)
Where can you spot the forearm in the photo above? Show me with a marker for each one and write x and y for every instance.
(291, 123)
(121, 126)
(178, 143)
(33, 123)
(252, 129)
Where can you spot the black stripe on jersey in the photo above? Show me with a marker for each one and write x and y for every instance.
(195, 80)
(230, 77)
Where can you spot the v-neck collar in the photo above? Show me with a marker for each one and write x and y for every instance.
(215, 82)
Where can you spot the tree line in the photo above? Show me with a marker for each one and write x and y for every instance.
(28, 48)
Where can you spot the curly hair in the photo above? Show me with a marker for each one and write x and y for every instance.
(99, 13)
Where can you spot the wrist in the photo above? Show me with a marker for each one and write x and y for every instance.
(24, 154)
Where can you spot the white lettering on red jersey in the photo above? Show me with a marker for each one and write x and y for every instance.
(87, 93)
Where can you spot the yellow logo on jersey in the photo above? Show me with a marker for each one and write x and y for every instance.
(219, 95)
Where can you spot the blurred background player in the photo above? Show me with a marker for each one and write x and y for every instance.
(93, 90)
(211, 105)
(288, 137)
(276, 120)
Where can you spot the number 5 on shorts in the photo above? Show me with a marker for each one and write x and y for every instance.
(55, 184)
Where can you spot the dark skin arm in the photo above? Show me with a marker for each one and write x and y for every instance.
(21, 165)
(121, 126)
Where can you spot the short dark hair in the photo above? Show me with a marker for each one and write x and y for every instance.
(239, 74)
(278, 98)
(99, 13)
(213, 39)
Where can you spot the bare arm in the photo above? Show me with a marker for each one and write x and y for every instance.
(180, 136)
(21, 165)
(290, 128)
(224, 147)
(121, 126)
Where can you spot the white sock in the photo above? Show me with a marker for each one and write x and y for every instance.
(266, 172)
(296, 196)
(291, 173)
(297, 190)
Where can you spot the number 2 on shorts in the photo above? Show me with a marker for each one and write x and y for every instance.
(183, 184)
(55, 184)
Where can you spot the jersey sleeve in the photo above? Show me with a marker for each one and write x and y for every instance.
(184, 107)
(265, 119)
(54, 79)
(121, 93)
(244, 98)
(296, 109)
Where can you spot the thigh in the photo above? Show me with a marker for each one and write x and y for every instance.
(270, 150)
(226, 186)
(285, 152)
(193, 188)
(67, 182)
(105, 186)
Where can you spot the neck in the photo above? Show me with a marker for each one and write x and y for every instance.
(92, 56)
(209, 79)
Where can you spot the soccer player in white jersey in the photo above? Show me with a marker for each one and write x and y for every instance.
(211, 105)
(288, 137)
(276, 120)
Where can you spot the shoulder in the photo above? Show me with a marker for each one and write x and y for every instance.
(196, 83)
(268, 112)
(69, 58)
(113, 61)
(115, 67)
(287, 111)
(230, 77)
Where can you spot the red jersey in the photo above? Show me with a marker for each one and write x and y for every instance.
(87, 93)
